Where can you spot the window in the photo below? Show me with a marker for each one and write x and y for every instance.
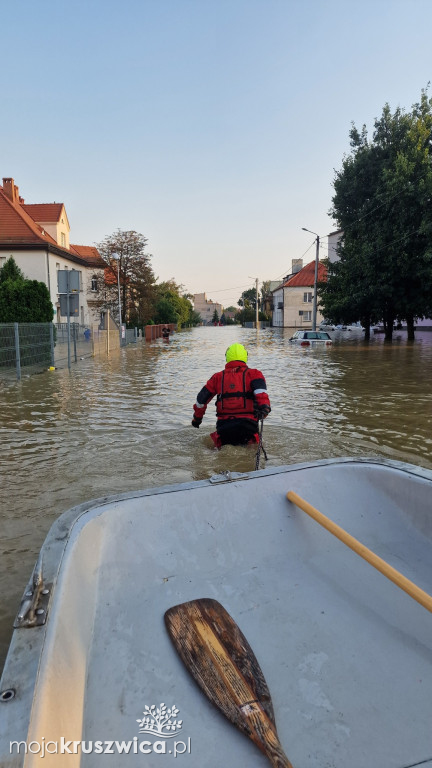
(307, 315)
(307, 297)
(2, 261)
(94, 283)
(63, 240)
(280, 304)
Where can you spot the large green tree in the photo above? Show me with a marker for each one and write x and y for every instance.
(22, 300)
(173, 305)
(382, 204)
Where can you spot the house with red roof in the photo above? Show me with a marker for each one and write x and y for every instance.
(293, 298)
(37, 236)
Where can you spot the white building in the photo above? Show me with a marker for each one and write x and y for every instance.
(37, 236)
(293, 299)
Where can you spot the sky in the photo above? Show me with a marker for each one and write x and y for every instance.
(212, 127)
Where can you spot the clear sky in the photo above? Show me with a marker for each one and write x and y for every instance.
(213, 127)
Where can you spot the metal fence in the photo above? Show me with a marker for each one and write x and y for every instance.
(29, 345)
(80, 344)
(34, 347)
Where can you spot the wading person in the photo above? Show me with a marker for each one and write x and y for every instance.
(241, 400)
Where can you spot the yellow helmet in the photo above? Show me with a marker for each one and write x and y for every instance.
(236, 352)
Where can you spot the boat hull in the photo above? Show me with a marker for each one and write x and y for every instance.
(346, 654)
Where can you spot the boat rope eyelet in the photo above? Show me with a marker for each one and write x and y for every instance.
(7, 694)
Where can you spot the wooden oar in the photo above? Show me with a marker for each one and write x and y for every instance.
(220, 659)
(395, 576)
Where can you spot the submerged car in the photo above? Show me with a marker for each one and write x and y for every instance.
(312, 338)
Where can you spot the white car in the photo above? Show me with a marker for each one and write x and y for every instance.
(312, 338)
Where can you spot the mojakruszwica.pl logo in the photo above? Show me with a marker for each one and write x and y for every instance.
(161, 723)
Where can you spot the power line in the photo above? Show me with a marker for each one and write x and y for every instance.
(303, 254)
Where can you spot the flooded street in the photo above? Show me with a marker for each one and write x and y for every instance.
(121, 424)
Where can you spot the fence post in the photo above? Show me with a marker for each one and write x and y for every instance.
(52, 344)
(75, 341)
(17, 352)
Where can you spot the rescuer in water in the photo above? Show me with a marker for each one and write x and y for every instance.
(241, 400)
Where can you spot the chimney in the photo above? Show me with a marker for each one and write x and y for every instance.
(297, 265)
(11, 190)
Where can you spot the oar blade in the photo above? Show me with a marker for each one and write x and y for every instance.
(221, 661)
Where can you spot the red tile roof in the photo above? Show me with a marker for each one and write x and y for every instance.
(90, 254)
(17, 226)
(306, 277)
(46, 212)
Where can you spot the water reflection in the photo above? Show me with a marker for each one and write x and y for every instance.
(124, 424)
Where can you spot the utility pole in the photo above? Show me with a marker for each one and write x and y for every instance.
(314, 306)
(256, 303)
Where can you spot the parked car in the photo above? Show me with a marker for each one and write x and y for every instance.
(311, 338)
(326, 326)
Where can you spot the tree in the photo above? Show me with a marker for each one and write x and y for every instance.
(248, 299)
(172, 307)
(137, 280)
(382, 204)
(215, 318)
(22, 300)
(165, 311)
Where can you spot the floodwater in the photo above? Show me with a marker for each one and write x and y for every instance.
(123, 423)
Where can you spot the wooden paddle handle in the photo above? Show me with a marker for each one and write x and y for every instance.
(269, 743)
(278, 758)
(395, 576)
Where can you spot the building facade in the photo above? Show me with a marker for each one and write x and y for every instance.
(206, 308)
(293, 299)
(37, 236)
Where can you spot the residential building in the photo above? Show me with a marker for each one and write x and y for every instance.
(37, 236)
(267, 302)
(206, 308)
(293, 299)
(333, 242)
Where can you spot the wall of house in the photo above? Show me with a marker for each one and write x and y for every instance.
(333, 240)
(43, 266)
(33, 264)
(56, 230)
(294, 303)
(91, 313)
(277, 315)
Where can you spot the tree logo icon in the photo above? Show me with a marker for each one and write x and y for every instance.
(160, 721)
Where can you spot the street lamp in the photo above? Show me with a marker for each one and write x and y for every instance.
(116, 256)
(314, 305)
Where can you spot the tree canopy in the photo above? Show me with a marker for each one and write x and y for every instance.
(173, 305)
(381, 203)
(22, 300)
(133, 270)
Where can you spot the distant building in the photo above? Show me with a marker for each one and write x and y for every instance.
(206, 307)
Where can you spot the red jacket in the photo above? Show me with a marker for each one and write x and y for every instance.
(239, 391)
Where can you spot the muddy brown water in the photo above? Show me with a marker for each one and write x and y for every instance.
(123, 424)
